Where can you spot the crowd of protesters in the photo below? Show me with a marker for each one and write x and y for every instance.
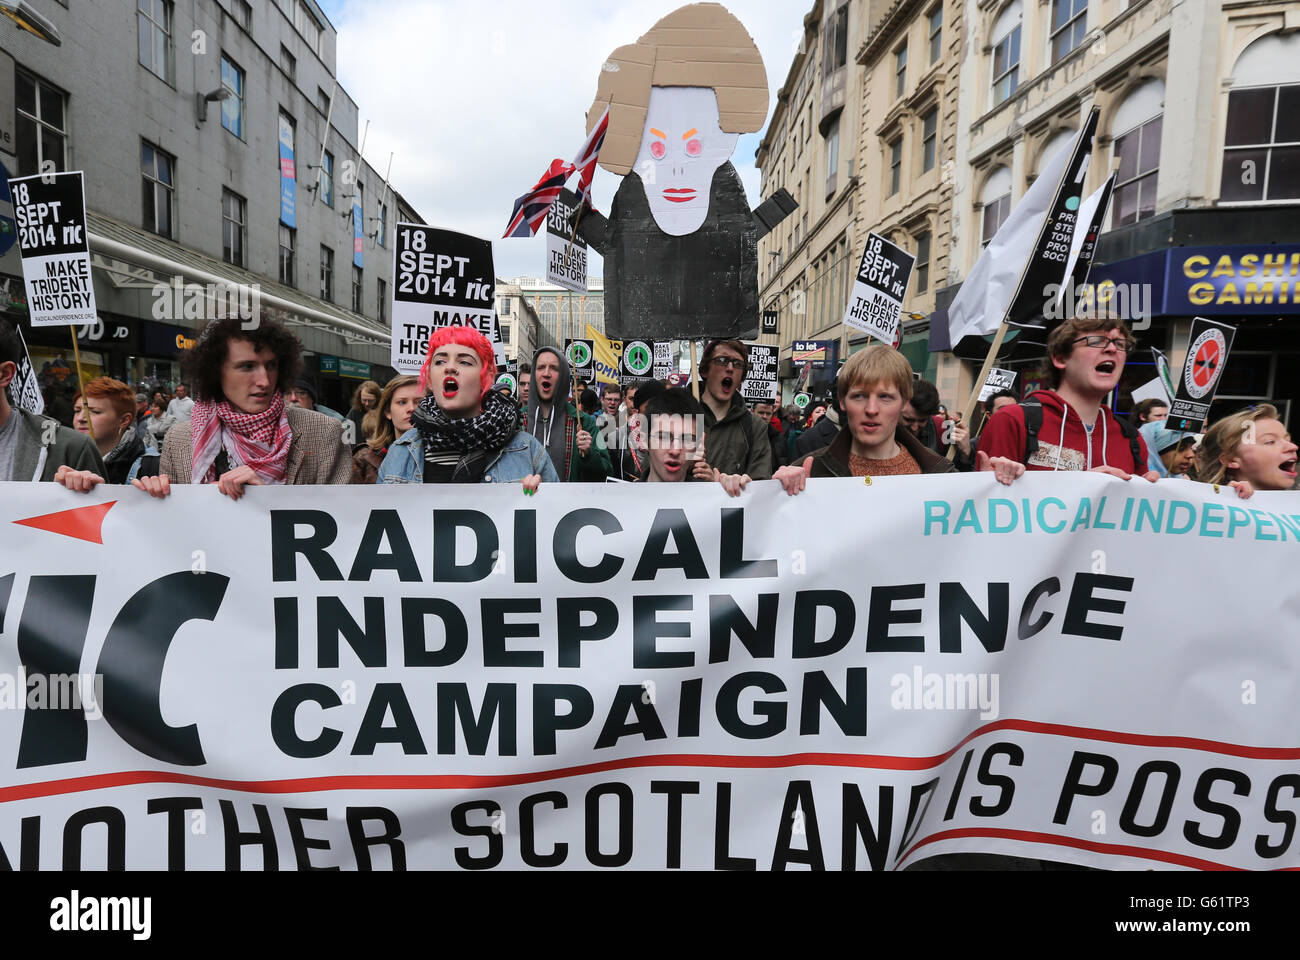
(254, 420)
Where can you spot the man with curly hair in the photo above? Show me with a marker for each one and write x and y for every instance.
(241, 431)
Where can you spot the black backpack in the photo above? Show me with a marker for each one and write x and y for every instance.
(1034, 422)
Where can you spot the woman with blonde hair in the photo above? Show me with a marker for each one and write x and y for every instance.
(1249, 450)
(365, 398)
(383, 424)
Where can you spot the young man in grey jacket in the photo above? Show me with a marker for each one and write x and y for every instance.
(33, 447)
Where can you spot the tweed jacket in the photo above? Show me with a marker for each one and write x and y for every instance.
(317, 453)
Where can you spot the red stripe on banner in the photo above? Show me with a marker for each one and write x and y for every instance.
(474, 781)
(1117, 849)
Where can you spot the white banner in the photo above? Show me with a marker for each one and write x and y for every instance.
(1075, 668)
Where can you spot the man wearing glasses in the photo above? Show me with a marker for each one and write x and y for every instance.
(1067, 427)
(735, 439)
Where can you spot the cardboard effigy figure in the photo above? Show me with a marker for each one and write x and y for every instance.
(680, 244)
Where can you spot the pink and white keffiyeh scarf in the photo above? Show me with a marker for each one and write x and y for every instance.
(256, 440)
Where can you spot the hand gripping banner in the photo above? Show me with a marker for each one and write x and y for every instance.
(1074, 668)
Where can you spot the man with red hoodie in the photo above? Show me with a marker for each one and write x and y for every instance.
(1067, 427)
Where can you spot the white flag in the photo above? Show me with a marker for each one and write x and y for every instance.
(987, 292)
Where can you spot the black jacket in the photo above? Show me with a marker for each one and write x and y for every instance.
(821, 434)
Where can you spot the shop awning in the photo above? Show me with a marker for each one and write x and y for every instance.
(132, 257)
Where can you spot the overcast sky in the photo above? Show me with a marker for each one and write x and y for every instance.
(475, 99)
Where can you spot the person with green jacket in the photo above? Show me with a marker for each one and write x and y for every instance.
(735, 440)
(565, 432)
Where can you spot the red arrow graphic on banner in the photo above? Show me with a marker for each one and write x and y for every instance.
(81, 523)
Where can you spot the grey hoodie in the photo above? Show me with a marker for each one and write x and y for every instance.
(552, 440)
(44, 445)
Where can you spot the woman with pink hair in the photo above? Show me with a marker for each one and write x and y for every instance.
(463, 431)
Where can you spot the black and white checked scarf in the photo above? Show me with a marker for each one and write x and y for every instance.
(483, 434)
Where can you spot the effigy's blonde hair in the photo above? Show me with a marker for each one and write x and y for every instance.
(701, 45)
(1222, 441)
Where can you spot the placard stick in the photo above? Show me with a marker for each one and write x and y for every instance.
(81, 382)
(695, 372)
(573, 371)
(574, 232)
(984, 375)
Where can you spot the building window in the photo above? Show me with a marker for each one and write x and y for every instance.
(154, 20)
(923, 262)
(232, 108)
(383, 224)
(382, 291)
(234, 226)
(832, 156)
(835, 42)
(288, 63)
(1006, 53)
(929, 139)
(323, 100)
(1069, 24)
(936, 34)
(895, 167)
(1261, 159)
(996, 200)
(327, 274)
(288, 256)
(308, 26)
(41, 121)
(157, 171)
(1138, 152)
(356, 289)
(505, 308)
(900, 71)
(327, 179)
(244, 14)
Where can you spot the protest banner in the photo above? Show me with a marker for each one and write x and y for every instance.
(51, 214)
(760, 374)
(444, 279)
(566, 264)
(1207, 353)
(606, 354)
(997, 381)
(663, 366)
(349, 677)
(581, 355)
(638, 360)
(25, 387)
(876, 304)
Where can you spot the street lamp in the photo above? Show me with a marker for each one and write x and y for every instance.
(202, 100)
(25, 18)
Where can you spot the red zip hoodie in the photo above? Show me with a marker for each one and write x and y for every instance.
(1063, 443)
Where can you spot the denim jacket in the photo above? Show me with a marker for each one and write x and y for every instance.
(522, 456)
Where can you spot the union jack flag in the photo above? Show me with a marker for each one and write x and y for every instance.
(585, 162)
(530, 209)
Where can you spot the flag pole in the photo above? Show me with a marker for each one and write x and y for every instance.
(81, 382)
(574, 232)
(984, 375)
